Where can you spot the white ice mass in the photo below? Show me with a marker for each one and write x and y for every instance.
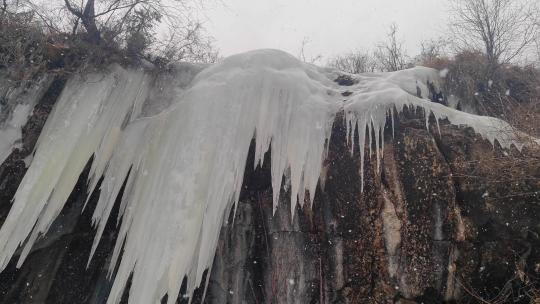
(17, 100)
(182, 144)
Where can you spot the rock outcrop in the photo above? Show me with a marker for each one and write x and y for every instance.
(447, 218)
(441, 223)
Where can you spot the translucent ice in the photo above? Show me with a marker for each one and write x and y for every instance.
(182, 146)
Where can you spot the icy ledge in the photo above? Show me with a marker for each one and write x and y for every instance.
(184, 166)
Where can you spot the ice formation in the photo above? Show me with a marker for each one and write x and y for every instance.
(17, 100)
(184, 156)
(377, 96)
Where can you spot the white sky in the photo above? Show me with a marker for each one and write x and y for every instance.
(332, 26)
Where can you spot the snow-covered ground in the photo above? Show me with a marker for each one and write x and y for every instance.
(182, 143)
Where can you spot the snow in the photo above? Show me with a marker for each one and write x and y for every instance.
(444, 72)
(375, 98)
(182, 140)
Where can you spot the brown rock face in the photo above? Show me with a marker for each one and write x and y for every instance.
(445, 218)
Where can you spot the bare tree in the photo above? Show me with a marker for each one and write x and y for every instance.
(87, 15)
(390, 54)
(3, 9)
(433, 49)
(354, 62)
(22, 41)
(187, 44)
(10, 8)
(502, 29)
(149, 28)
(123, 11)
(133, 22)
(302, 53)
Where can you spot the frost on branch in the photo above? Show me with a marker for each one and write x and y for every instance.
(182, 145)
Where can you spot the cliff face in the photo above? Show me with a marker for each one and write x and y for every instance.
(440, 222)
(446, 218)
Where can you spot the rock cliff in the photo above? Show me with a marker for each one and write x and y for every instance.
(448, 217)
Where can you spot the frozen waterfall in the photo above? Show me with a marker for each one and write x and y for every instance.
(182, 145)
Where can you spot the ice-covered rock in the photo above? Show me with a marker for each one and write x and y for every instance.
(17, 100)
(183, 145)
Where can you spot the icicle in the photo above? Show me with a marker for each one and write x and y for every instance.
(362, 125)
(17, 105)
(438, 125)
(87, 110)
(393, 123)
(185, 165)
(426, 117)
(204, 142)
(351, 124)
(348, 126)
(377, 133)
(370, 129)
(382, 139)
(397, 90)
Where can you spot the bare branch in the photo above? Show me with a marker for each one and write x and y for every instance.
(391, 54)
(302, 55)
(354, 62)
(502, 29)
(74, 11)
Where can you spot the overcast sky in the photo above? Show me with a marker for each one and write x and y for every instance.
(332, 26)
